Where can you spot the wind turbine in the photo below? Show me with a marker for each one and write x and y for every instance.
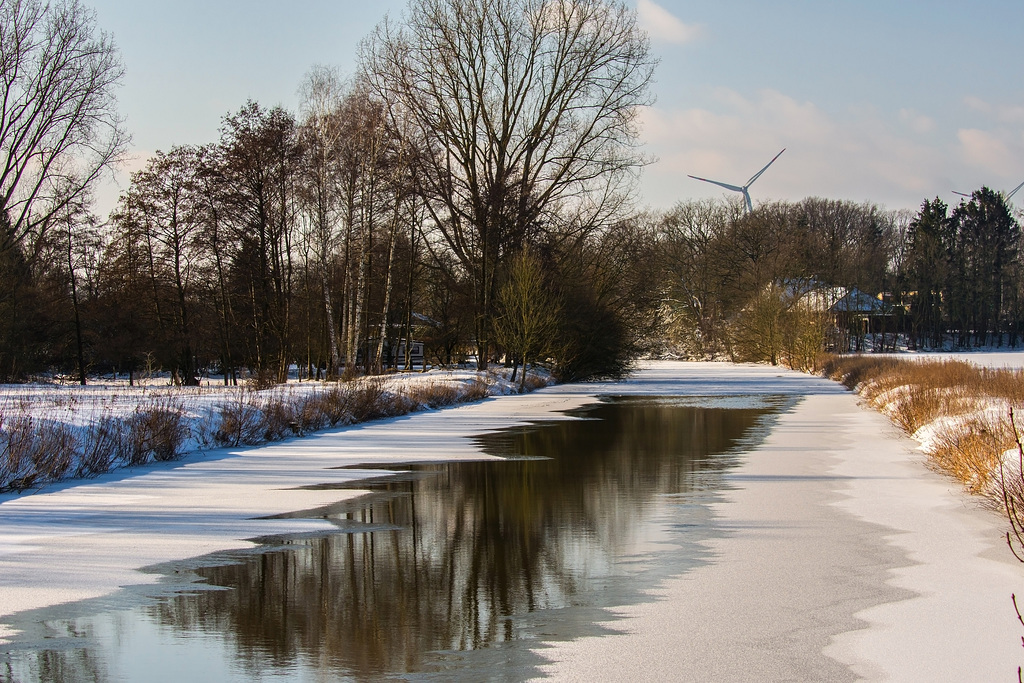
(1007, 196)
(744, 189)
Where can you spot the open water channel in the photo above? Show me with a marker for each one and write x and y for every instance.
(457, 570)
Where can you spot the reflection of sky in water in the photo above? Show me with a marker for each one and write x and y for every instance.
(468, 568)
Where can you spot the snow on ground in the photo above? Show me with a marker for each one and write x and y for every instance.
(987, 358)
(200, 407)
(844, 556)
(80, 405)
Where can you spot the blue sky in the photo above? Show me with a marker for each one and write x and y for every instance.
(890, 102)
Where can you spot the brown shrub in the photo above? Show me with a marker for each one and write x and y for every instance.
(240, 422)
(475, 391)
(366, 400)
(17, 471)
(309, 414)
(434, 395)
(332, 404)
(534, 382)
(34, 452)
(156, 432)
(277, 418)
(15, 464)
(53, 451)
(102, 446)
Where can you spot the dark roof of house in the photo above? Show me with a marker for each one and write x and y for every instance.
(857, 301)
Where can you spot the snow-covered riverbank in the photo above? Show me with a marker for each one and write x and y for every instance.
(51, 433)
(847, 559)
(845, 556)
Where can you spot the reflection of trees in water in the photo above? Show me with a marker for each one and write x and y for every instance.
(476, 542)
(78, 664)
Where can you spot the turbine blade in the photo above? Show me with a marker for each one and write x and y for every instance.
(1013, 192)
(962, 194)
(727, 186)
(758, 174)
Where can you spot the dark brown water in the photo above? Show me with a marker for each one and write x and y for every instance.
(448, 570)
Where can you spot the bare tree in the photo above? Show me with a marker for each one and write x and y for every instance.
(524, 115)
(167, 201)
(260, 152)
(58, 125)
(690, 245)
(323, 130)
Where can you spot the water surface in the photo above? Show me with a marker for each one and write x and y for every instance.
(447, 570)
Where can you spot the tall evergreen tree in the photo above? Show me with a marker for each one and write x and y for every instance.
(927, 265)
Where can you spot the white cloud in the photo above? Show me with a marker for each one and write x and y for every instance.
(1002, 112)
(989, 150)
(662, 25)
(919, 123)
(862, 155)
(978, 104)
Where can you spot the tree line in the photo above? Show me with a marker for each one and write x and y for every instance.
(962, 276)
(480, 152)
(471, 187)
(763, 285)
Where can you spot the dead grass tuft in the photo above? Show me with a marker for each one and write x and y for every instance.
(971, 451)
(953, 399)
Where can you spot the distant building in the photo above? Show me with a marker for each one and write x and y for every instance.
(853, 313)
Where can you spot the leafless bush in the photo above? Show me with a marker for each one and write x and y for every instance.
(277, 418)
(239, 422)
(34, 452)
(475, 391)
(53, 451)
(156, 432)
(17, 472)
(434, 395)
(265, 378)
(533, 382)
(367, 400)
(308, 414)
(332, 403)
(102, 446)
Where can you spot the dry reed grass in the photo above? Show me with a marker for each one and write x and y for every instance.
(971, 450)
(958, 404)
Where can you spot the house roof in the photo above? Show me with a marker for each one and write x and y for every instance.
(857, 301)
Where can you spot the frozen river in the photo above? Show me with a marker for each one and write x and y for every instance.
(709, 522)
